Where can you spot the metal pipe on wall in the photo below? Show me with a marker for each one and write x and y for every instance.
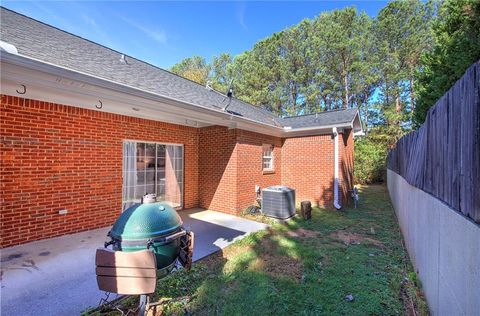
(336, 202)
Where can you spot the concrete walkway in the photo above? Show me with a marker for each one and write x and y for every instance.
(57, 276)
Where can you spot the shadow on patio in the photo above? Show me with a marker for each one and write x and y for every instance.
(42, 273)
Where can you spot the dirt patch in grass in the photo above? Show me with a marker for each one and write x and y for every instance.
(266, 258)
(268, 272)
(279, 266)
(302, 233)
(276, 265)
(213, 261)
(232, 251)
(349, 238)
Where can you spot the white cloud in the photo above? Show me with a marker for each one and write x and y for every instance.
(90, 21)
(240, 13)
(95, 29)
(60, 21)
(159, 36)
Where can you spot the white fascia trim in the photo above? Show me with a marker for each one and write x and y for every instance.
(327, 128)
(36, 64)
(359, 131)
(243, 123)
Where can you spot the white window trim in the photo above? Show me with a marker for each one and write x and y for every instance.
(271, 157)
(180, 207)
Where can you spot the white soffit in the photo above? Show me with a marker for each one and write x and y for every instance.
(56, 89)
(74, 90)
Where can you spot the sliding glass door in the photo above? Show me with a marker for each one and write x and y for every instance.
(152, 168)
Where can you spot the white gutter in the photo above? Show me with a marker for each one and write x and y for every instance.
(12, 56)
(336, 202)
(29, 62)
(289, 129)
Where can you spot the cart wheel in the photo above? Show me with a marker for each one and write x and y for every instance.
(142, 304)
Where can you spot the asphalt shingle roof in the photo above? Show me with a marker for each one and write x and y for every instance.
(49, 44)
(337, 117)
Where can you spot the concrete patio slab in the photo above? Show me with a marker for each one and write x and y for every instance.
(56, 276)
(214, 230)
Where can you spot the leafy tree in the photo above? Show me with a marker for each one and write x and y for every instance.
(194, 68)
(366, 71)
(339, 33)
(457, 45)
(340, 58)
(371, 152)
(370, 157)
(257, 77)
(309, 67)
(390, 67)
(403, 34)
(221, 72)
(295, 67)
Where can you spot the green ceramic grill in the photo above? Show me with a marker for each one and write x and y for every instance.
(152, 225)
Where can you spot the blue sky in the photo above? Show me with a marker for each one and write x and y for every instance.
(163, 33)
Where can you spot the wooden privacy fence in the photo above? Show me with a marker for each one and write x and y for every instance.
(442, 157)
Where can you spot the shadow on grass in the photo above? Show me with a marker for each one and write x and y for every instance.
(304, 267)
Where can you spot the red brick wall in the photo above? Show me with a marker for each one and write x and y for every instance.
(250, 168)
(230, 166)
(56, 157)
(307, 166)
(218, 169)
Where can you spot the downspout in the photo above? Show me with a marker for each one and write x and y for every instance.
(336, 202)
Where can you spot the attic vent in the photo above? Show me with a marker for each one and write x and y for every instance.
(123, 59)
(9, 48)
(208, 85)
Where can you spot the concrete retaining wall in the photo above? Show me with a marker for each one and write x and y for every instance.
(444, 247)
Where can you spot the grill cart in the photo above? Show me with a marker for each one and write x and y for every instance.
(147, 240)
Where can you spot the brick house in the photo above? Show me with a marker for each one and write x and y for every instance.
(86, 131)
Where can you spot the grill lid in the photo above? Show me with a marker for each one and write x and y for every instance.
(143, 221)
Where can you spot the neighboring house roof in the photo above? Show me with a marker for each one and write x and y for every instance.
(51, 45)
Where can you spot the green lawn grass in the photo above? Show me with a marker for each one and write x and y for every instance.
(305, 268)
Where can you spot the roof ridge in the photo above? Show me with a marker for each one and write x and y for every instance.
(258, 107)
(101, 45)
(135, 58)
(322, 112)
(67, 32)
(27, 33)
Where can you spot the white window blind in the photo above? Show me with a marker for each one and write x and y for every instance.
(267, 157)
(152, 168)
